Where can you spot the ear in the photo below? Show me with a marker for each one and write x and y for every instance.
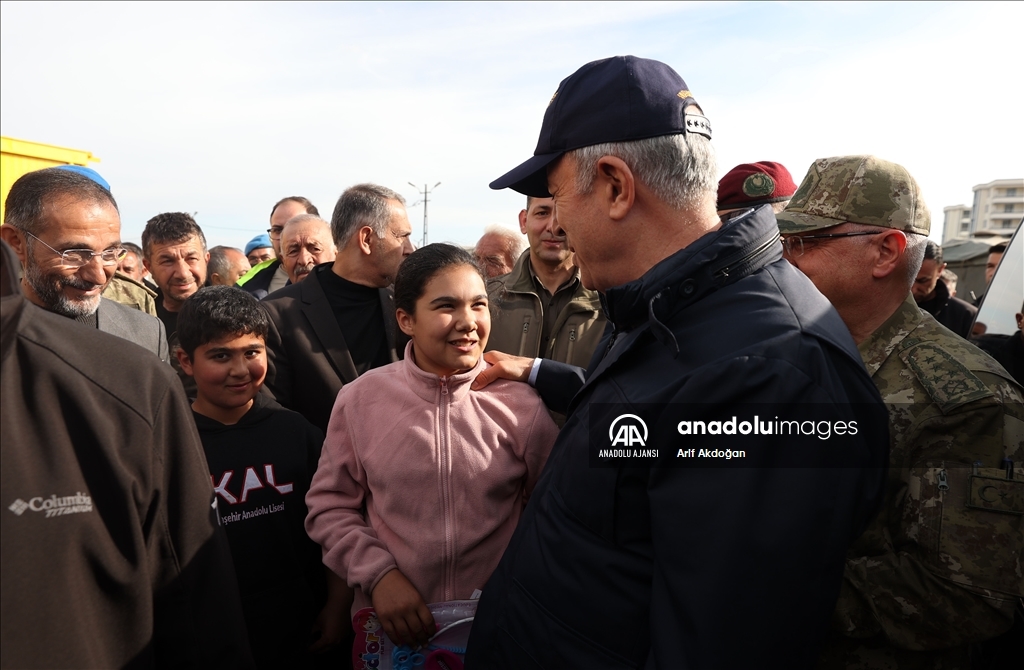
(889, 255)
(207, 257)
(406, 321)
(145, 264)
(616, 186)
(365, 236)
(16, 239)
(522, 221)
(943, 268)
(184, 361)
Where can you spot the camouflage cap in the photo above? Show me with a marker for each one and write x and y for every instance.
(856, 189)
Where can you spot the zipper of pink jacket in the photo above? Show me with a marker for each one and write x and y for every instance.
(446, 469)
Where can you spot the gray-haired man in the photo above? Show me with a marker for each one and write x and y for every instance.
(638, 548)
(339, 321)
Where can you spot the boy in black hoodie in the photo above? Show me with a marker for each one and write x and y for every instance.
(261, 458)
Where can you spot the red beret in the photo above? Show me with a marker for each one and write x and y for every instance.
(753, 184)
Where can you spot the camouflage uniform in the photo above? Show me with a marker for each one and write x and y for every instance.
(941, 565)
(125, 290)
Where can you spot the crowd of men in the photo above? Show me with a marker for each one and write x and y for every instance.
(645, 284)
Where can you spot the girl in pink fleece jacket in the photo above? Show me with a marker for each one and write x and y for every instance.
(421, 481)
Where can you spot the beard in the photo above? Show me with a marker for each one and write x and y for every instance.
(50, 290)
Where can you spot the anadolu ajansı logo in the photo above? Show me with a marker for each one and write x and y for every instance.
(628, 430)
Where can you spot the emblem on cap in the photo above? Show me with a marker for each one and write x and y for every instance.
(684, 94)
(758, 184)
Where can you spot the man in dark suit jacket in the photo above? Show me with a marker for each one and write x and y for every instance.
(65, 228)
(339, 321)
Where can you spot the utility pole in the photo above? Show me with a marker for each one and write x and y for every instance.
(425, 193)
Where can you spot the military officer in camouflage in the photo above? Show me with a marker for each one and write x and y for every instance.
(940, 568)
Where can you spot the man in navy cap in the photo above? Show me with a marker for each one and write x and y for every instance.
(674, 526)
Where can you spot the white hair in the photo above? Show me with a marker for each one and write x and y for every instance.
(679, 169)
(913, 254)
(511, 239)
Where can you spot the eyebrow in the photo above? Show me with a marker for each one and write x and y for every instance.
(75, 244)
(451, 298)
(228, 350)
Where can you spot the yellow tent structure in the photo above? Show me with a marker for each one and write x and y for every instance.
(21, 156)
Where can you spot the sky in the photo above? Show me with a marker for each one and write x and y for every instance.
(222, 109)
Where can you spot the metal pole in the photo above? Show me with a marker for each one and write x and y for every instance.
(426, 193)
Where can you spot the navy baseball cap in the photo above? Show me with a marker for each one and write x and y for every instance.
(612, 100)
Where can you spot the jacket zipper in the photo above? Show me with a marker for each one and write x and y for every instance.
(746, 258)
(522, 341)
(572, 344)
(448, 560)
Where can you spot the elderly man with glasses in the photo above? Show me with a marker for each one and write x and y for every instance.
(270, 275)
(66, 230)
(939, 569)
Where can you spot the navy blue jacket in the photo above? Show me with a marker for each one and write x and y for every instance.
(690, 563)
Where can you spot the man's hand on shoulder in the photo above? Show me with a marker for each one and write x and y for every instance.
(503, 366)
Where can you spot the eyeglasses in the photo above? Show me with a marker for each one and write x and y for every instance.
(76, 258)
(275, 232)
(793, 245)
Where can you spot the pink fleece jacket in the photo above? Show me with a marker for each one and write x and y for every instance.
(443, 472)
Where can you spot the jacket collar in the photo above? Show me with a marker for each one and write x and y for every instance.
(938, 301)
(427, 385)
(743, 245)
(890, 335)
(521, 280)
(522, 277)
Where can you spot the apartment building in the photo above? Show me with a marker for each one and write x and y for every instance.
(997, 210)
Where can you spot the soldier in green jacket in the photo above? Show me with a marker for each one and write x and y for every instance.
(940, 568)
(541, 309)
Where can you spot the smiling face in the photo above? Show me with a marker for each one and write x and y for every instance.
(68, 223)
(576, 217)
(450, 326)
(178, 269)
(229, 372)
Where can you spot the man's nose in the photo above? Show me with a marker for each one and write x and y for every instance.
(408, 247)
(94, 271)
(181, 269)
(556, 227)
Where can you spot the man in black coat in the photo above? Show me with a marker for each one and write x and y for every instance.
(674, 526)
(339, 321)
(932, 294)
